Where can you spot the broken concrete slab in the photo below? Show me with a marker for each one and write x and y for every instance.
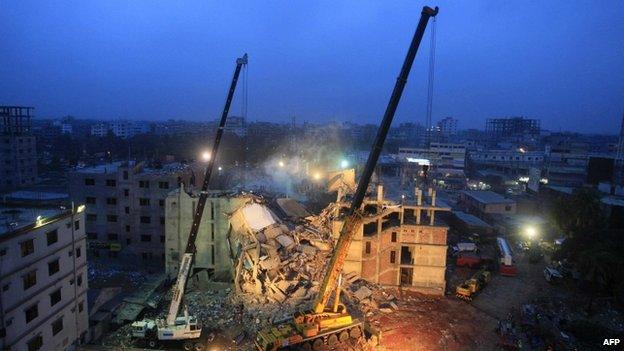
(362, 293)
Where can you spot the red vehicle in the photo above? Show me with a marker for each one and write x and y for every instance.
(472, 260)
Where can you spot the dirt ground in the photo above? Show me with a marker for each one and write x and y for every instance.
(434, 323)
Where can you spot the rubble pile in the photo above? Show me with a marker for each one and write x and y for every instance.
(278, 263)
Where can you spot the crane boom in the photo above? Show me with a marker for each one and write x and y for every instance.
(189, 253)
(353, 218)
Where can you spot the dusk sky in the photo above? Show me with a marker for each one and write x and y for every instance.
(560, 61)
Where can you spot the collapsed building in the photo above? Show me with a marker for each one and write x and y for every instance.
(278, 250)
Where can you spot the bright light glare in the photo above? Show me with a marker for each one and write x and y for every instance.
(316, 176)
(206, 156)
(220, 168)
(344, 164)
(531, 232)
(281, 164)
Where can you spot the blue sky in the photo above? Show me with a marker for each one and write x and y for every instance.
(561, 61)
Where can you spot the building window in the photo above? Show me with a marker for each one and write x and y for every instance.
(35, 343)
(162, 238)
(89, 181)
(127, 210)
(111, 218)
(29, 279)
(52, 237)
(31, 313)
(162, 220)
(146, 238)
(111, 201)
(53, 267)
(27, 247)
(161, 203)
(128, 228)
(368, 247)
(80, 306)
(128, 241)
(80, 280)
(91, 217)
(90, 200)
(76, 225)
(112, 236)
(78, 252)
(126, 192)
(143, 183)
(146, 219)
(163, 185)
(392, 256)
(394, 237)
(92, 236)
(507, 208)
(55, 297)
(111, 182)
(144, 201)
(57, 326)
(125, 174)
(3, 251)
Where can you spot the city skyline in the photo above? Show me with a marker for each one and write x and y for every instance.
(315, 61)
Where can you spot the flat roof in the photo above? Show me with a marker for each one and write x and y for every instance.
(470, 219)
(102, 168)
(36, 195)
(14, 218)
(487, 197)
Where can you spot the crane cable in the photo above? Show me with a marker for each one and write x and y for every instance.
(432, 47)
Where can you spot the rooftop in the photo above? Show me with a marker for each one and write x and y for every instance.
(470, 219)
(487, 197)
(14, 218)
(102, 168)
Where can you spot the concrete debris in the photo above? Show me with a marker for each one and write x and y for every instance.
(363, 293)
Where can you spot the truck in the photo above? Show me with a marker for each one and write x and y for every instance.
(506, 260)
(325, 326)
(468, 289)
(186, 329)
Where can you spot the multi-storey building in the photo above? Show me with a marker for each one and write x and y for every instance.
(43, 279)
(236, 125)
(213, 252)
(99, 129)
(447, 126)
(400, 245)
(126, 205)
(516, 161)
(18, 151)
(510, 127)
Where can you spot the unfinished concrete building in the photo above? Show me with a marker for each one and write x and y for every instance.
(399, 244)
(212, 261)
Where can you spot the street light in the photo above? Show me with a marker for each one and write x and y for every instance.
(281, 164)
(531, 232)
(206, 156)
(220, 168)
(344, 164)
(316, 175)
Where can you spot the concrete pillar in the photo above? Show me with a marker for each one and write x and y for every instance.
(418, 196)
(433, 198)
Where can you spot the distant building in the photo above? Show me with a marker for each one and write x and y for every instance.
(18, 150)
(448, 126)
(126, 205)
(236, 125)
(99, 129)
(566, 165)
(122, 129)
(446, 162)
(509, 127)
(43, 279)
(483, 203)
(512, 161)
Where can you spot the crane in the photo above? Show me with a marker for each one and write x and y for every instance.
(322, 326)
(187, 328)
